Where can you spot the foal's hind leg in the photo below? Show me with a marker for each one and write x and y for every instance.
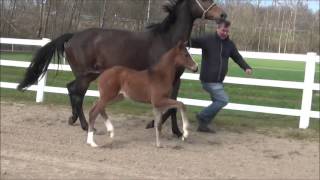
(107, 123)
(106, 96)
(107, 120)
(94, 112)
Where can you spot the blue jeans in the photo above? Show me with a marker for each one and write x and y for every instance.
(219, 100)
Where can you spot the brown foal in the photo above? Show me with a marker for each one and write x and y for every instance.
(152, 86)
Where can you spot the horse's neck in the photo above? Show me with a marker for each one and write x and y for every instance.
(181, 29)
(165, 70)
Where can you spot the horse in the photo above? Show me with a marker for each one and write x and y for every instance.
(91, 51)
(152, 86)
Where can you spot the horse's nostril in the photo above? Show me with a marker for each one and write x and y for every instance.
(223, 15)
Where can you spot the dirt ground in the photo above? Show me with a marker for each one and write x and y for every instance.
(37, 143)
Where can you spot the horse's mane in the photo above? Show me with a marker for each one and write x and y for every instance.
(171, 8)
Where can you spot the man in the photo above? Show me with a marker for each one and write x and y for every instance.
(216, 50)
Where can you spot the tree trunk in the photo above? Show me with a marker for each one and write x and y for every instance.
(294, 27)
(265, 30)
(103, 17)
(288, 31)
(148, 11)
(259, 39)
(41, 19)
(79, 14)
(47, 18)
(10, 21)
(2, 25)
(280, 38)
(73, 11)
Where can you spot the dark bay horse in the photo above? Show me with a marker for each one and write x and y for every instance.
(93, 50)
(152, 86)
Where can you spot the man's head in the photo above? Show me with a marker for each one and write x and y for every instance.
(223, 28)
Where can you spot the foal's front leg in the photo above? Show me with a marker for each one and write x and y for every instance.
(168, 104)
(170, 112)
(157, 118)
(185, 122)
(92, 118)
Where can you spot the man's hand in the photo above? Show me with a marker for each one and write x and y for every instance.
(248, 71)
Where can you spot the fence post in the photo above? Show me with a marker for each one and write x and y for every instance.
(307, 90)
(64, 58)
(40, 88)
(42, 81)
(45, 41)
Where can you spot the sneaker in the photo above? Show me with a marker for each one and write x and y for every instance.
(200, 120)
(205, 129)
(202, 126)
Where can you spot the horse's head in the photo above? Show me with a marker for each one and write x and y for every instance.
(182, 57)
(207, 9)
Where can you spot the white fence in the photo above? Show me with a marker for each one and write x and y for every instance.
(308, 86)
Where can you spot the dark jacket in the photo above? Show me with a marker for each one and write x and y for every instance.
(215, 55)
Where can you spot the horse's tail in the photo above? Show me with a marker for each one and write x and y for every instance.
(41, 60)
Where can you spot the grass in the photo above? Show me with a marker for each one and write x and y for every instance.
(255, 95)
(233, 121)
(227, 119)
(17, 56)
(271, 69)
(263, 69)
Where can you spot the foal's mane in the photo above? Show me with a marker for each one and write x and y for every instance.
(170, 7)
(165, 57)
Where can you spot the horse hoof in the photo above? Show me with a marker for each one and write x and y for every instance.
(159, 146)
(150, 125)
(94, 145)
(72, 120)
(178, 134)
(85, 127)
(112, 134)
(184, 137)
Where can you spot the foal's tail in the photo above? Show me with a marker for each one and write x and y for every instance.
(41, 60)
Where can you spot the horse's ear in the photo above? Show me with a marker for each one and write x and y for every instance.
(179, 44)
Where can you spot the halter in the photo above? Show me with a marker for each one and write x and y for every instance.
(205, 10)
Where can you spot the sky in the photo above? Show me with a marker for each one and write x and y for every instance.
(312, 4)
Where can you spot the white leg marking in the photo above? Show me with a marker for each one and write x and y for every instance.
(110, 127)
(90, 140)
(185, 125)
(157, 117)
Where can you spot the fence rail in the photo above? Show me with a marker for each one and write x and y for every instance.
(308, 86)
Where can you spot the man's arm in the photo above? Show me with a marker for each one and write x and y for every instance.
(236, 56)
(198, 42)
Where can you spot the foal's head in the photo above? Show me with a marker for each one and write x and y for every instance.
(182, 58)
